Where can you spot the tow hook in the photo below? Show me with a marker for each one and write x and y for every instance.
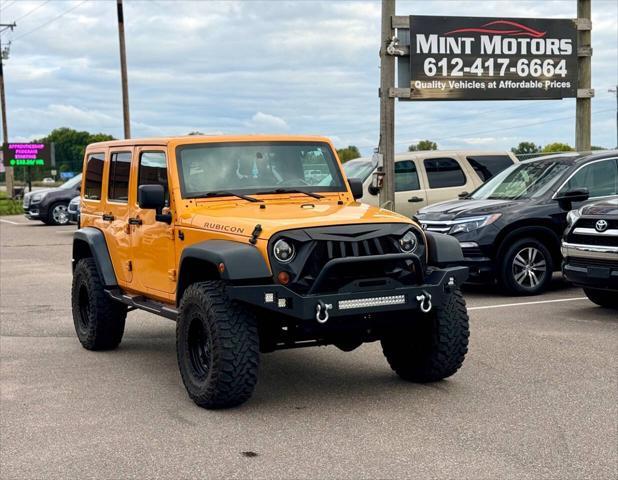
(321, 314)
(424, 301)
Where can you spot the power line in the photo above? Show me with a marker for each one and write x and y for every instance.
(32, 11)
(50, 21)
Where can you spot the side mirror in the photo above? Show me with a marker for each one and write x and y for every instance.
(356, 185)
(152, 197)
(463, 195)
(566, 199)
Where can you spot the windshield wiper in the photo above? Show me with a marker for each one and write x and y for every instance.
(291, 190)
(224, 194)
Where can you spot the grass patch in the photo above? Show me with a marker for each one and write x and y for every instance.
(8, 206)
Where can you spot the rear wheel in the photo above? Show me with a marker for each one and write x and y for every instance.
(431, 347)
(99, 320)
(217, 346)
(603, 298)
(525, 268)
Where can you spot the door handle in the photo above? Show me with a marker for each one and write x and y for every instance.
(135, 221)
(108, 218)
(415, 199)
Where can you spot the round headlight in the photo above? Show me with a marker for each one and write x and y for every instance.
(283, 251)
(408, 242)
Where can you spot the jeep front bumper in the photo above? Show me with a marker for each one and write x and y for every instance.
(362, 300)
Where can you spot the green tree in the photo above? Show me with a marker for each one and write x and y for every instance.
(595, 147)
(526, 148)
(349, 153)
(557, 147)
(422, 146)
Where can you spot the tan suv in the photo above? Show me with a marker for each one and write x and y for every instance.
(425, 178)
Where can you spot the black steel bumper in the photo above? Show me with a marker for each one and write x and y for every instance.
(362, 300)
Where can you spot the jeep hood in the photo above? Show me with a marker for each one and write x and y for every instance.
(241, 218)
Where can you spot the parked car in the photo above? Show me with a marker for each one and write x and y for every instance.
(590, 251)
(73, 210)
(424, 178)
(48, 180)
(50, 205)
(229, 237)
(510, 228)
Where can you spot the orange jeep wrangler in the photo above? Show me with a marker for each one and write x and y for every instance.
(254, 244)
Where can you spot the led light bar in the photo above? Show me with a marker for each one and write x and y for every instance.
(372, 302)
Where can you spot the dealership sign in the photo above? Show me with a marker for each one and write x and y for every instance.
(26, 154)
(477, 58)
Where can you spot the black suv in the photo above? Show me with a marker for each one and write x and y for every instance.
(510, 228)
(51, 205)
(590, 250)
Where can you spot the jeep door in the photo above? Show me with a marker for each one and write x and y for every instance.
(152, 242)
(116, 212)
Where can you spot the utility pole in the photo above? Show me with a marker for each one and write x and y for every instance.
(5, 131)
(123, 71)
(615, 90)
(583, 102)
(387, 107)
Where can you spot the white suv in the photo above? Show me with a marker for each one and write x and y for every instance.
(424, 178)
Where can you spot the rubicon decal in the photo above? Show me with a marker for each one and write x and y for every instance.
(223, 228)
(492, 58)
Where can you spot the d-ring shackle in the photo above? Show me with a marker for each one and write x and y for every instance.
(321, 314)
(424, 301)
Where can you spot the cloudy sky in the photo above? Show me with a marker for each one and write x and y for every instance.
(267, 66)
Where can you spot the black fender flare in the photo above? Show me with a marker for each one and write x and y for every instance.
(443, 250)
(94, 239)
(241, 262)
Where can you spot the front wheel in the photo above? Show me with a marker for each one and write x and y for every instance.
(58, 214)
(432, 346)
(525, 268)
(603, 298)
(217, 346)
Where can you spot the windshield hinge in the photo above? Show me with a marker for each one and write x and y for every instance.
(256, 233)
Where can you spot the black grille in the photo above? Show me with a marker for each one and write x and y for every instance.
(591, 222)
(602, 240)
(315, 247)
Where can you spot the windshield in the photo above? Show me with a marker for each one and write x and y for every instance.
(258, 167)
(361, 168)
(72, 182)
(522, 181)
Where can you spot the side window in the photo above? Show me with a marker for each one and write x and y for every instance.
(444, 172)
(406, 177)
(119, 170)
(487, 166)
(94, 176)
(153, 171)
(600, 178)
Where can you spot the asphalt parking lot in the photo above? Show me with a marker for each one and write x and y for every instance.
(536, 398)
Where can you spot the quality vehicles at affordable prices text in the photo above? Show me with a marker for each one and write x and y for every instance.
(240, 242)
(511, 227)
(590, 250)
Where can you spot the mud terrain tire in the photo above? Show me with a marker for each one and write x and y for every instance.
(217, 346)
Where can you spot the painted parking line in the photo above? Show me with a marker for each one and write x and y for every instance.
(8, 221)
(506, 305)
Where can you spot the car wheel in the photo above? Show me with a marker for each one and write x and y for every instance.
(98, 319)
(603, 298)
(58, 214)
(217, 346)
(525, 268)
(431, 347)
